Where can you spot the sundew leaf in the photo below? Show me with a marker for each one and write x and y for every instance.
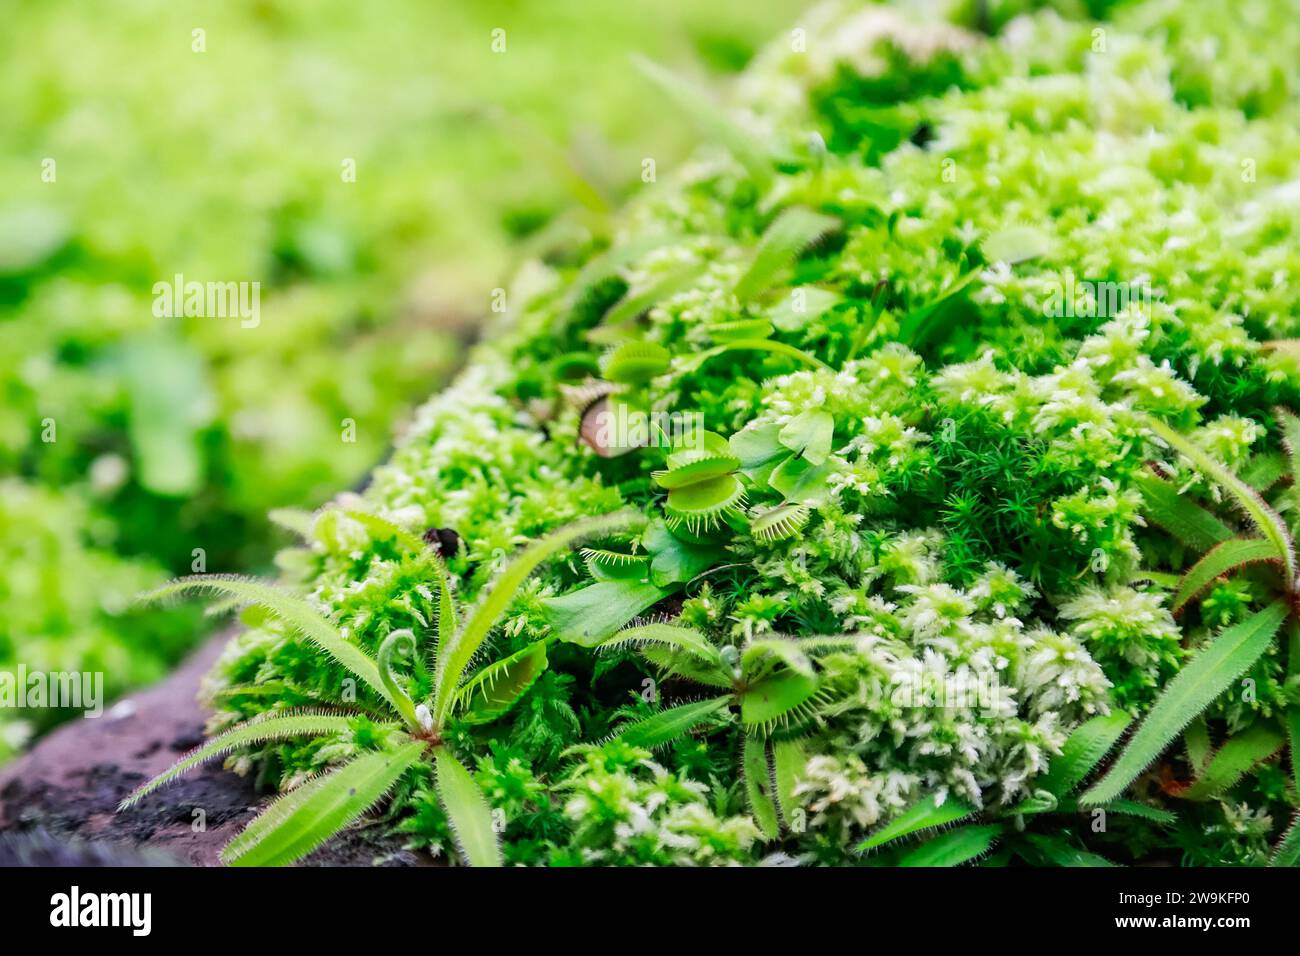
(1082, 751)
(497, 687)
(758, 786)
(1223, 558)
(593, 614)
(1194, 688)
(1269, 523)
(256, 731)
(1239, 754)
(953, 848)
(788, 235)
(454, 656)
(923, 815)
(304, 818)
(667, 725)
(467, 810)
(710, 120)
(1183, 518)
(292, 610)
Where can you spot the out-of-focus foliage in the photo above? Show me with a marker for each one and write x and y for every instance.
(130, 156)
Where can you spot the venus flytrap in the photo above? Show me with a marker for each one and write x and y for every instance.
(1232, 652)
(306, 817)
(773, 690)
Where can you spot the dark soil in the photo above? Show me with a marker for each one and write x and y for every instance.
(58, 802)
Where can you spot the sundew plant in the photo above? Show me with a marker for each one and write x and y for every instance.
(956, 525)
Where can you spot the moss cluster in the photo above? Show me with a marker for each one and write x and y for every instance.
(915, 442)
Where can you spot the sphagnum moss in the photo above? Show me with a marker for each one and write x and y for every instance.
(897, 348)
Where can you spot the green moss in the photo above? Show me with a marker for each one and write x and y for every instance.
(963, 431)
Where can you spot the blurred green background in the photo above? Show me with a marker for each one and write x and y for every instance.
(128, 441)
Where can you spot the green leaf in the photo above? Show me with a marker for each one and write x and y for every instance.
(1180, 516)
(694, 363)
(926, 322)
(667, 725)
(593, 614)
(1292, 721)
(762, 653)
(696, 471)
(1269, 523)
(1194, 688)
(953, 848)
(1082, 751)
(1289, 424)
(758, 786)
(803, 306)
(635, 362)
(1287, 851)
(1058, 852)
(776, 524)
(498, 686)
(609, 263)
(923, 815)
(800, 481)
(758, 445)
(1131, 808)
(674, 638)
(1196, 740)
(788, 761)
(785, 238)
(455, 655)
(777, 700)
(256, 731)
(701, 505)
(664, 287)
(1264, 470)
(809, 434)
(299, 521)
(467, 810)
(711, 121)
(294, 611)
(1016, 244)
(303, 819)
(1230, 762)
(167, 386)
(1223, 558)
(674, 561)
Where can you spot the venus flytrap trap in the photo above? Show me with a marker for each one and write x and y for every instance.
(303, 819)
